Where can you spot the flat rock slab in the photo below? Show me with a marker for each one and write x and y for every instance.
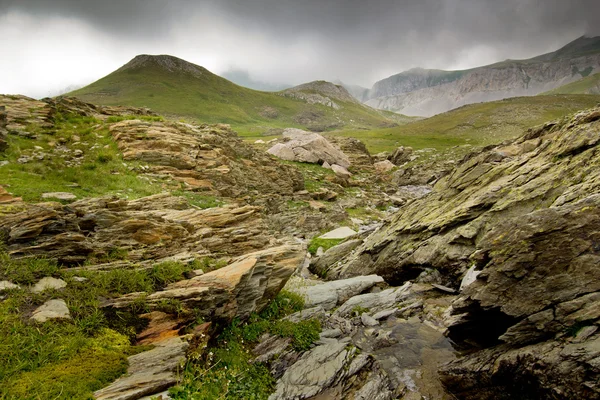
(330, 294)
(149, 373)
(48, 283)
(59, 196)
(52, 309)
(339, 233)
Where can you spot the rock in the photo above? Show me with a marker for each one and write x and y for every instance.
(401, 155)
(334, 254)
(375, 302)
(383, 166)
(411, 192)
(317, 205)
(259, 141)
(443, 288)
(470, 277)
(79, 279)
(315, 371)
(339, 233)
(91, 228)
(48, 283)
(355, 150)
(8, 285)
(341, 171)
(237, 290)
(149, 373)
(331, 294)
(78, 153)
(7, 198)
(52, 309)
(368, 320)
(308, 147)
(206, 158)
(326, 165)
(270, 347)
(59, 196)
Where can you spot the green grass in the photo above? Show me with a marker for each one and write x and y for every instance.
(326, 244)
(70, 359)
(225, 369)
(102, 170)
(475, 124)
(587, 85)
(209, 98)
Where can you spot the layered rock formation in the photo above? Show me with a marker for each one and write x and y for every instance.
(204, 158)
(429, 92)
(526, 214)
(320, 92)
(93, 228)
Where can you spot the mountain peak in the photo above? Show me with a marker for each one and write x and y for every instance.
(166, 62)
(324, 88)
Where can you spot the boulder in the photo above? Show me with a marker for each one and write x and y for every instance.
(239, 289)
(308, 147)
(383, 166)
(331, 294)
(8, 285)
(401, 155)
(321, 264)
(341, 172)
(52, 309)
(149, 373)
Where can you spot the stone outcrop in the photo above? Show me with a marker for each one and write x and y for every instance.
(93, 228)
(321, 92)
(244, 286)
(526, 215)
(428, 92)
(308, 147)
(208, 158)
(52, 309)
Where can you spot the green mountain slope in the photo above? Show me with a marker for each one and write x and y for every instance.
(174, 87)
(475, 124)
(588, 85)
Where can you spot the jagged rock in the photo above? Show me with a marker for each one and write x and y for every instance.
(149, 373)
(367, 320)
(321, 264)
(308, 147)
(341, 172)
(445, 228)
(331, 294)
(59, 196)
(470, 277)
(383, 166)
(52, 309)
(375, 302)
(411, 192)
(355, 150)
(243, 287)
(48, 283)
(401, 155)
(206, 157)
(91, 228)
(339, 233)
(7, 198)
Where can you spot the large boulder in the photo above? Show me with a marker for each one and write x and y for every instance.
(308, 147)
(527, 215)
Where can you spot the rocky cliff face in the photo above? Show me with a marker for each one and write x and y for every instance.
(321, 92)
(429, 92)
(515, 229)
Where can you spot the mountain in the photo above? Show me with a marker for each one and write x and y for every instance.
(427, 92)
(588, 85)
(243, 78)
(175, 87)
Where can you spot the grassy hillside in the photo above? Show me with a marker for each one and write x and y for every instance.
(587, 85)
(176, 88)
(475, 124)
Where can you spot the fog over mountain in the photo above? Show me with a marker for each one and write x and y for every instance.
(50, 45)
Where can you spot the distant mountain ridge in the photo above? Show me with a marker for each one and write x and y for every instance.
(427, 92)
(174, 87)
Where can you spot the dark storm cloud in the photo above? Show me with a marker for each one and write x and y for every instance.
(294, 41)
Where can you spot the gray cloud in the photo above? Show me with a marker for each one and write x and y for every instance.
(279, 41)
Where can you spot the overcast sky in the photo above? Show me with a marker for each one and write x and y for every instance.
(48, 45)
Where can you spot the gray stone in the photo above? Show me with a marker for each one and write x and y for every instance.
(7, 285)
(375, 302)
(330, 294)
(48, 283)
(52, 309)
(339, 233)
(149, 373)
(383, 166)
(59, 196)
(470, 277)
(308, 147)
(341, 171)
(385, 313)
(368, 320)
